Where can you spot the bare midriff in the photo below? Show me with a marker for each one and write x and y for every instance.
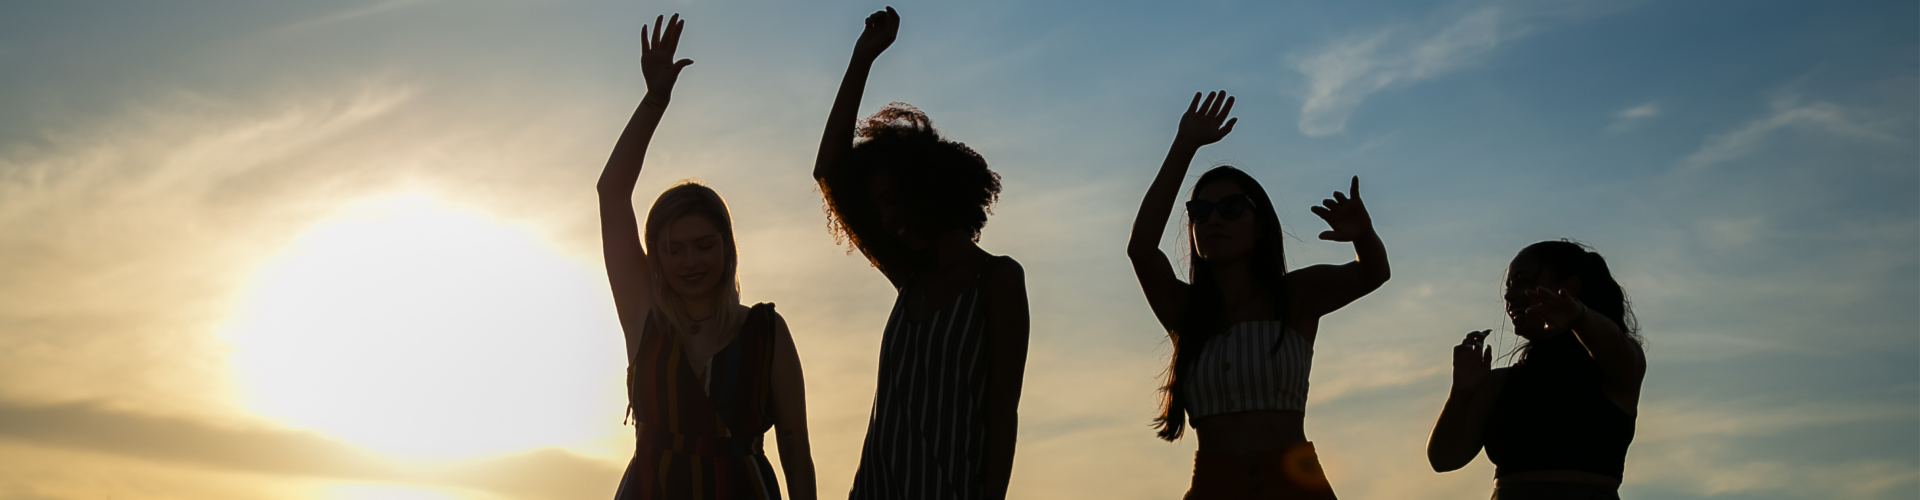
(1558, 476)
(1244, 432)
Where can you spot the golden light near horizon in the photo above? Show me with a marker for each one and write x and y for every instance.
(423, 330)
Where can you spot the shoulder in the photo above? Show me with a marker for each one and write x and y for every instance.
(1001, 271)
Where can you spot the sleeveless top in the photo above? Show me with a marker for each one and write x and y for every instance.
(927, 432)
(1553, 415)
(696, 443)
(1240, 370)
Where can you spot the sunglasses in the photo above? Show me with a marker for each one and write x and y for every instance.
(1230, 208)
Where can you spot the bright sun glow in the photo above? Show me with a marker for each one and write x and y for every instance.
(422, 330)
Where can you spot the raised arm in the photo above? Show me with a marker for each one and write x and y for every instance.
(627, 268)
(1325, 288)
(1458, 435)
(1621, 359)
(1205, 122)
(881, 27)
(1004, 293)
(790, 415)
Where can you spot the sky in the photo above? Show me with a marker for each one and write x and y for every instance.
(349, 250)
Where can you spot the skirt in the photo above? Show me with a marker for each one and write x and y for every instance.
(1284, 474)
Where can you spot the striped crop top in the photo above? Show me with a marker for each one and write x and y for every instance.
(1240, 371)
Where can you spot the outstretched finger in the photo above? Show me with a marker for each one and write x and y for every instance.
(1356, 188)
(1195, 105)
(1330, 235)
(1228, 128)
(646, 45)
(1228, 108)
(659, 25)
(674, 26)
(677, 65)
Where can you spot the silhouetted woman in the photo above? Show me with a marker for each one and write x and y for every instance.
(1557, 423)
(1243, 330)
(955, 346)
(707, 376)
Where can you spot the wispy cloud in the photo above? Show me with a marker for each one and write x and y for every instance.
(1788, 113)
(352, 14)
(1341, 75)
(546, 473)
(1626, 118)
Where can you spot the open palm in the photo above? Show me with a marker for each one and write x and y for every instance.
(1206, 122)
(1346, 215)
(656, 55)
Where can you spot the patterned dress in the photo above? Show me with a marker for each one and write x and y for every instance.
(700, 444)
(927, 433)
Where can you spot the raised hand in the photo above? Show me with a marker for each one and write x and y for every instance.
(1472, 360)
(1206, 122)
(1347, 216)
(1554, 309)
(882, 27)
(656, 55)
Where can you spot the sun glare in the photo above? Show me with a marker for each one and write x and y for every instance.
(422, 330)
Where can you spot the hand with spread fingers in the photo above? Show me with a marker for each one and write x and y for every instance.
(882, 27)
(1206, 122)
(1554, 309)
(1346, 215)
(1472, 360)
(656, 56)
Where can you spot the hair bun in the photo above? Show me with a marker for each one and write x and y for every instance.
(897, 119)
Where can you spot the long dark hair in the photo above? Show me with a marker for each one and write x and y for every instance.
(1565, 258)
(1206, 314)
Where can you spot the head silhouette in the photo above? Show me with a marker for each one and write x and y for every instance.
(690, 241)
(903, 184)
(1571, 267)
(1230, 220)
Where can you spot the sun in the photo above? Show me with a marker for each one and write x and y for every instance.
(423, 330)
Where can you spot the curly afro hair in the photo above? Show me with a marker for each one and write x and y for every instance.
(943, 184)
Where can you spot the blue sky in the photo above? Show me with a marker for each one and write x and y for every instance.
(1749, 168)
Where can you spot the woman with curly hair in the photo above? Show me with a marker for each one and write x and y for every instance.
(1556, 424)
(706, 376)
(954, 350)
(1243, 328)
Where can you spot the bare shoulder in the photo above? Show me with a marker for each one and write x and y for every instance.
(1003, 271)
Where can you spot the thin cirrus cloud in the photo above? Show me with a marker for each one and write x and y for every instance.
(1627, 118)
(1343, 74)
(1788, 112)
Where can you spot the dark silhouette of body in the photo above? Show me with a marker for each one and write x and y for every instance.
(707, 376)
(945, 413)
(1241, 289)
(1558, 422)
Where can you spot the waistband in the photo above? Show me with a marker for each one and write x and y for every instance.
(700, 446)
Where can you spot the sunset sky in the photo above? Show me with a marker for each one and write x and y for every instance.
(349, 250)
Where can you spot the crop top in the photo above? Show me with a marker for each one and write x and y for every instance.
(1553, 415)
(1241, 371)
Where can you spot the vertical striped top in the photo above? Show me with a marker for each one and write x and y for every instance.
(927, 432)
(1240, 371)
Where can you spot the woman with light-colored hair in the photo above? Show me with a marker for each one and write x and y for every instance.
(706, 376)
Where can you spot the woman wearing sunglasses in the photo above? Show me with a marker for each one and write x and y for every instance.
(1243, 329)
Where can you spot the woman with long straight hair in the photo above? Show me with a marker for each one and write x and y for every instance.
(1243, 328)
(706, 375)
(945, 411)
(1556, 424)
